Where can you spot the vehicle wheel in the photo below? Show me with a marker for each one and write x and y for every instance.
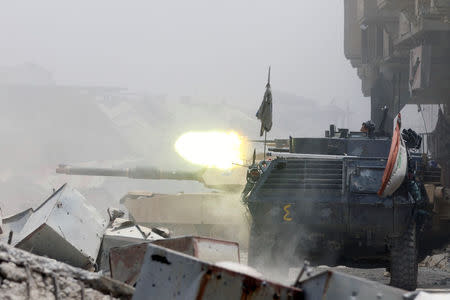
(404, 264)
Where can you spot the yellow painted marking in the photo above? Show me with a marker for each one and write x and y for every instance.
(286, 215)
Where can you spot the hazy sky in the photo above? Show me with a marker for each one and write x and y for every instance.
(210, 49)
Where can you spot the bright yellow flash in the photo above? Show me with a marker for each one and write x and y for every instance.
(211, 148)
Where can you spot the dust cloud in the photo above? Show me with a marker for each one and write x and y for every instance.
(114, 84)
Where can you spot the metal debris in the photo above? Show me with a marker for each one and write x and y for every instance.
(65, 227)
(162, 231)
(115, 213)
(210, 250)
(12, 225)
(122, 232)
(167, 274)
(125, 262)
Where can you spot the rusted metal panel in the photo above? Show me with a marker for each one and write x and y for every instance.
(125, 262)
(337, 286)
(123, 233)
(166, 274)
(65, 227)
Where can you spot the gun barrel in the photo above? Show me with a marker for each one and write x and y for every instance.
(135, 173)
(69, 170)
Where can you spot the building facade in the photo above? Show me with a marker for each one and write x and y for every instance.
(401, 51)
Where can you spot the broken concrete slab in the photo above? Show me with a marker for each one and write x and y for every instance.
(125, 262)
(440, 261)
(64, 227)
(167, 274)
(27, 276)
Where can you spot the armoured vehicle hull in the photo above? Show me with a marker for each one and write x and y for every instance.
(319, 201)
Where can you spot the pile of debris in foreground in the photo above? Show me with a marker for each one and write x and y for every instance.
(27, 276)
(67, 228)
(440, 259)
(118, 254)
(169, 274)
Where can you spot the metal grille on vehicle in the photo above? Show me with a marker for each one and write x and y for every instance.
(305, 174)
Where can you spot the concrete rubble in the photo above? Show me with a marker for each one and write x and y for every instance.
(439, 260)
(67, 228)
(27, 276)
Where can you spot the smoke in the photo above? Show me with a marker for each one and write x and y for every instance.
(278, 245)
(216, 215)
(276, 254)
(118, 92)
(282, 256)
(43, 125)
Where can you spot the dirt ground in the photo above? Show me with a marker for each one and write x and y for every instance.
(428, 278)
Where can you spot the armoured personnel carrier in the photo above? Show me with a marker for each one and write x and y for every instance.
(318, 199)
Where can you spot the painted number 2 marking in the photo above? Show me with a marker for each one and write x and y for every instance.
(287, 214)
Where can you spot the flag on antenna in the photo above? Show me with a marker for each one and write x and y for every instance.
(264, 112)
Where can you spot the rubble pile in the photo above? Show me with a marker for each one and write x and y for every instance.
(439, 260)
(27, 276)
(67, 228)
